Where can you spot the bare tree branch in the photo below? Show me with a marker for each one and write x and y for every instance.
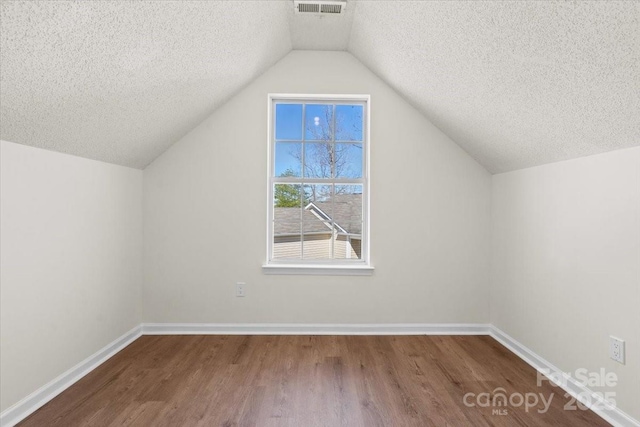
(325, 158)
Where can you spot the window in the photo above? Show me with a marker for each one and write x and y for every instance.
(318, 184)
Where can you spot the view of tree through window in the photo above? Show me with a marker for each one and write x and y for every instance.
(318, 182)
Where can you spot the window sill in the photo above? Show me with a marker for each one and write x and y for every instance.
(318, 270)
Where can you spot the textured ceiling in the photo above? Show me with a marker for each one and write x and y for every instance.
(313, 32)
(515, 84)
(120, 81)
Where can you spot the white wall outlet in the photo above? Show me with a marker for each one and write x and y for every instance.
(240, 289)
(616, 349)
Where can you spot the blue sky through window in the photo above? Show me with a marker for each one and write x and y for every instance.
(318, 122)
(288, 158)
(348, 122)
(318, 126)
(289, 121)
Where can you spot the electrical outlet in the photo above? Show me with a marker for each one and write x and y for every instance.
(616, 349)
(240, 289)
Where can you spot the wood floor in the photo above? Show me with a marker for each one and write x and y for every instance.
(306, 381)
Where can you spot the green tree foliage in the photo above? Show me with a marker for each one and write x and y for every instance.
(288, 195)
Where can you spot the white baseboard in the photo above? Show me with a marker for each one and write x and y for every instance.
(313, 329)
(16, 413)
(605, 410)
(19, 411)
(22, 409)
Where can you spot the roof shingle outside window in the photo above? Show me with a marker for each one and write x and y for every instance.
(344, 209)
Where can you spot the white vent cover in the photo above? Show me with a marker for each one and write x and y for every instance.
(320, 7)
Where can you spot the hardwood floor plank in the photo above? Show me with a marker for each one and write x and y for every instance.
(307, 381)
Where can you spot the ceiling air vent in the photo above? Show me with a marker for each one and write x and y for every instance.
(320, 7)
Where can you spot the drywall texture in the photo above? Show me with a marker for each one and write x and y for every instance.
(321, 32)
(515, 83)
(120, 81)
(566, 263)
(71, 255)
(205, 216)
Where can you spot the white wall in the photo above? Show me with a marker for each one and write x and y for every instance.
(71, 255)
(566, 263)
(566, 240)
(430, 215)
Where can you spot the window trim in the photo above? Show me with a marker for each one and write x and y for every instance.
(320, 267)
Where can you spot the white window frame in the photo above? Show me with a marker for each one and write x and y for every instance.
(319, 267)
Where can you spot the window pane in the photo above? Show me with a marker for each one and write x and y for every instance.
(318, 122)
(348, 160)
(321, 141)
(287, 213)
(316, 225)
(287, 202)
(317, 222)
(289, 121)
(320, 195)
(347, 208)
(349, 122)
(317, 245)
(348, 246)
(286, 241)
(319, 159)
(288, 159)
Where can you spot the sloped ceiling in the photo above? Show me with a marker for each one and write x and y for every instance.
(120, 81)
(515, 84)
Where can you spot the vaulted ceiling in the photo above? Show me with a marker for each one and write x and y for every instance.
(515, 84)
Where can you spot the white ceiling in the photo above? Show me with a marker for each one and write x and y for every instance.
(515, 84)
(121, 81)
(317, 32)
